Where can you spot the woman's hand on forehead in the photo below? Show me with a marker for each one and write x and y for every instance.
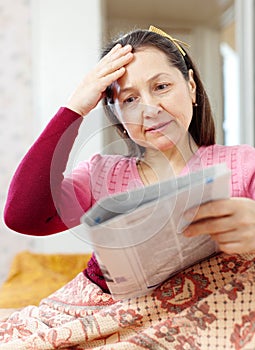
(109, 69)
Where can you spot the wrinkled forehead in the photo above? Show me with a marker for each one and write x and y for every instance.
(146, 67)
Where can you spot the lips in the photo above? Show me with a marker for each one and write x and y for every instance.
(157, 127)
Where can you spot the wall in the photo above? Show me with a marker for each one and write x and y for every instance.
(46, 47)
(245, 33)
(66, 45)
(16, 120)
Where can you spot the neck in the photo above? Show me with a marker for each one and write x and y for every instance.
(159, 165)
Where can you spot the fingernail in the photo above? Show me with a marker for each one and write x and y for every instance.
(127, 47)
(187, 233)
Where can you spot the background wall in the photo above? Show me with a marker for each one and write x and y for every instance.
(16, 116)
(44, 52)
(66, 38)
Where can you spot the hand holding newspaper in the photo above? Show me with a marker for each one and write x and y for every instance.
(137, 235)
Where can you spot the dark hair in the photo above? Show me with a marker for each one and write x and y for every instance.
(202, 127)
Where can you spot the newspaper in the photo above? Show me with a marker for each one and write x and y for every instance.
(137, 235)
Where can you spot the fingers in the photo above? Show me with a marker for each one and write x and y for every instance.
(217, 217)
(91, 89)
(236, 242)
(211, 209)
(211, 217)
(236, 248)
(231, 237)
(117, 52)
(231, 223)
(212, 226)
(112, 65)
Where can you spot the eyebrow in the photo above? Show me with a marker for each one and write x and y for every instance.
(129, 88)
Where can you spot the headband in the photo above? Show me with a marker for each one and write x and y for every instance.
(176, 42)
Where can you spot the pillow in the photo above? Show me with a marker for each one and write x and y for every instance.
(34, 276)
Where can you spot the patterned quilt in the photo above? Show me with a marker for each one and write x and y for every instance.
(208, 306)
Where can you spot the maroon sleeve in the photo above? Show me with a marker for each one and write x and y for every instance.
(30, 207)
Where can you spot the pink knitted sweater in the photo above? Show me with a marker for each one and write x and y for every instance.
(42, 201)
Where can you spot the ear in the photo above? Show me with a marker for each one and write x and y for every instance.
(192, 86)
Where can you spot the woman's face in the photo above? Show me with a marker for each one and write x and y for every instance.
(154, 101)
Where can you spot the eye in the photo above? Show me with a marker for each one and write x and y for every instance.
(129, 100)
(162, 86)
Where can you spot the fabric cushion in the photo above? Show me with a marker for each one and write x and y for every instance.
(34, 276)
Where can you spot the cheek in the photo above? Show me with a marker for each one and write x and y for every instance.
(130, 121)
(185, 111)
(131, 114)
(132, 128)
(135, 133)
(125, 115)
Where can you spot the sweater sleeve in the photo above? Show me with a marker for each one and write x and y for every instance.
(38, 183)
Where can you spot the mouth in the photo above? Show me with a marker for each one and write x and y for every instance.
(158, 127)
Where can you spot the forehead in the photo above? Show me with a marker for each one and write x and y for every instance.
(150, 51)
(150, 58)
(147, 63)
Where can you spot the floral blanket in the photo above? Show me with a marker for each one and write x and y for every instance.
(208, 306)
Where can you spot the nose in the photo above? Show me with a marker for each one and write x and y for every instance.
(151, 107)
